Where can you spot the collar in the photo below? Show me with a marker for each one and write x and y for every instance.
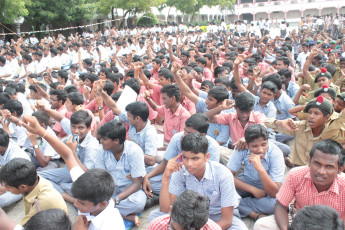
(251, 117)
(334, 187)
(86, 140)
(207, 174)
(98, 220)
(8, 148)
(178, 110)
(143, 131)
(30, 198)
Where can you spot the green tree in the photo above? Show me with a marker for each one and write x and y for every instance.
(12, 9)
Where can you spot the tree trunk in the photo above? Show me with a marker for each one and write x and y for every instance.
(112, 16)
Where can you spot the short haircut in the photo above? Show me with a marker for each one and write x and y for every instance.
(245, 101)
(270, 86)
(63, 74)
(116, 96)
(254, 132)
(50, 219)
(195, 143)
(138, 109)
(220, 93)
(202, 60)
(113, 78)
(4, 138)
(42, 117)
(81, 116)
(157, 60)
(71, 89)
(133, 83)
(60, 94)
(2, 59)
(317, 217)
(108, 87)
(331, 147)
(95, 185)
(199, 122)
(33, 88)
(285, 60)
(11, 91)
(4, 97)
(76, 98)
(285, 72)
(113, 130)
(88, 61)
(190, 210)
(171, 90)
(208, 83)
(14, 106)
(166, 74)
(275, 78)
(92, 77)
(218, 70)
(18, 171)
(185, 53)
(223, 80)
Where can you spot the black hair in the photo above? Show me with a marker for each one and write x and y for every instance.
(270, 86)
(2, 59)
(116, 95)
(42, 117)
(14, 106)
(60, 94)
(33, 88)
(138, 109)
(63, 74)
(92, 77)
(218, 70)
(113, 130)
(95, 185)
(50, 219)
(195, 142)
(18, 171)
(190, 210)
(4, 138)
(130, 73)
(10, 91)
(275, 78)
(185, 53)
(285, 60)
(244, 101)
(202, 60)
(133, 83)
(81, 116)
(166, 74)
(285, 72)
(233, 84)
(208, 56)
(223, 80)
(199, 122)
(108, 87)
(220, 93)
(27, 57)
(331, 147)
(171, 90)
(76, 98)
(157, 60)
(254, 132)
(71, 89)
(317, 217)
(113, 78)
(207, 82)
(88, 61)
(4, 97)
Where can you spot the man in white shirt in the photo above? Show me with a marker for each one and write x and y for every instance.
(302, 56)
(4, 72)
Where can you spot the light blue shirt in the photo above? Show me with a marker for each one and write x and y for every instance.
(292, 89)
(174, 147)
(217, 184)
(13, 151)
(220, 133)
(131, 165)
(87, 150)
(283, 104)
(273, 162)
(203, 94)
(269, 110)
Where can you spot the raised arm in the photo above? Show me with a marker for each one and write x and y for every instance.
(184, 88)
(238, 83)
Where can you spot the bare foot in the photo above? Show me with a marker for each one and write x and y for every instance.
(133, 218)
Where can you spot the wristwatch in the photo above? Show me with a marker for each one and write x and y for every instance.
(117, 200)
(35, 146)
(100, 107)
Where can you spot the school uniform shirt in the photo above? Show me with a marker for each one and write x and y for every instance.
(173, 122)
(12, 151)
(220, 133)
(217, 184)
(174, 148)
(273, 163)
(304, 138)
(130, 165)
(269, 110)
(42, 197)
(299, 186)
(292, 89)
(283, 104)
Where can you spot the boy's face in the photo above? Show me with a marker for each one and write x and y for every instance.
(195, 163)
(245, 67)
(211, 102)
(80, 129)
(55, 103)
(259, 146)
(107, 143)
(266, 95)
(69, 105)
(14, 190)
(280, 65)
(168, 102)
(102, 76)
(242, 115)
(339, 105)
(131, 119)
(323, 81)
(85, 206)
(33, 94)
(316, 118)
(342, 65)
(162, 81)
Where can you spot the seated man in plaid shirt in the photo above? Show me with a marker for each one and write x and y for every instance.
(322, 182)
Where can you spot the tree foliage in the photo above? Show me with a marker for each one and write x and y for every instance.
(12, 9)
(147, 19)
